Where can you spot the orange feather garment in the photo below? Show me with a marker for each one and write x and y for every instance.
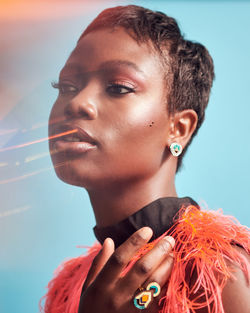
(204, 247)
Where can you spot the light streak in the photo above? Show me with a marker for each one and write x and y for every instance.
(3, 164)
(35, 126)
(14, 211)
(30, 158)
(8, 131)
(14, 179)
(39, 140)
(35, 157)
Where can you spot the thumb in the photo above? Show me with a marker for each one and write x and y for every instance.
(99, 262)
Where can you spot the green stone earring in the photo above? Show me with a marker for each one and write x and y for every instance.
(176, 148)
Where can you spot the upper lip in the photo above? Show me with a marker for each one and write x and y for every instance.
(81, 133)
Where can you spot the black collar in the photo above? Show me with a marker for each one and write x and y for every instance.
(158, 215)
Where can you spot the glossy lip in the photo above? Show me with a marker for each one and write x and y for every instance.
(85, 144)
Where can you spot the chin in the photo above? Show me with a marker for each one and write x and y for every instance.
(70, 174)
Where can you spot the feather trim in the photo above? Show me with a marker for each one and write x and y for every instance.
(65, 288)
(204, 247)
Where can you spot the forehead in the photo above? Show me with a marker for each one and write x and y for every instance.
(107, 49)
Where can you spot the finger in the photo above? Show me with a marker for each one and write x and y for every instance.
(99, 261)
(123, 254)
(145, 266)
(162, 272)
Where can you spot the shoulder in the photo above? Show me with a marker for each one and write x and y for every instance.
(209, 267)
(236, 292)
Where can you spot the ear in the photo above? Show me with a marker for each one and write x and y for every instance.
(182, 126)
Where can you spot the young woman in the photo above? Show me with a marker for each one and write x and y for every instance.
(132, 95)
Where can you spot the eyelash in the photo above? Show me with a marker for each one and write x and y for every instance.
(61, 86)
(118, 86)
(111, 89)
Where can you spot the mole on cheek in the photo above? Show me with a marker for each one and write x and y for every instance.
(151, 124)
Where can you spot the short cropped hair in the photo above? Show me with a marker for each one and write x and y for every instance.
(189, 66)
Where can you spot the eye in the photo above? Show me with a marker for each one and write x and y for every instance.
(65, 88)
(119, 89)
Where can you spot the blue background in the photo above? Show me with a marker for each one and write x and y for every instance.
(42, 219)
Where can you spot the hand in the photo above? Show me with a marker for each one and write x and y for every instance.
(104, 291)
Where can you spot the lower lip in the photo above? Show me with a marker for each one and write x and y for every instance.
(76, 146)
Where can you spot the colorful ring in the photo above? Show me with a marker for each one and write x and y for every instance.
(156, 287)
(144, 297)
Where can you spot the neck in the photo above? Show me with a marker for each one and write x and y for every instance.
(112, 204)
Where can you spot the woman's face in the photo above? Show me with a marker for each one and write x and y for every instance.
(114, 90)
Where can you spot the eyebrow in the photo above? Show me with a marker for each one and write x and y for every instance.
(118, 63)
(105, 66)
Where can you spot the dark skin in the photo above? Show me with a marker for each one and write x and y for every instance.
(119, 292)
(114, 89)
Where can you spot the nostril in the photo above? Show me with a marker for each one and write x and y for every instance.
(71, 111)
(67, 112)
(80, 107)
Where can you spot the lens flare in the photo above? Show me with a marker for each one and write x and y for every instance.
(38, 140)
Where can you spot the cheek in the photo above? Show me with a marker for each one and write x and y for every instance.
(56, 115)
(52, 116)
(140, 136)
(148, 125)
(56, 111)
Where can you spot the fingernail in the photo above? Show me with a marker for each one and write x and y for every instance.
(106, 241)
(170, 240)
(146, 232)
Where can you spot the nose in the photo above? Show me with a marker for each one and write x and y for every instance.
(82, 105)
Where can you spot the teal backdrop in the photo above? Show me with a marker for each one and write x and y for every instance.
(43, 221)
